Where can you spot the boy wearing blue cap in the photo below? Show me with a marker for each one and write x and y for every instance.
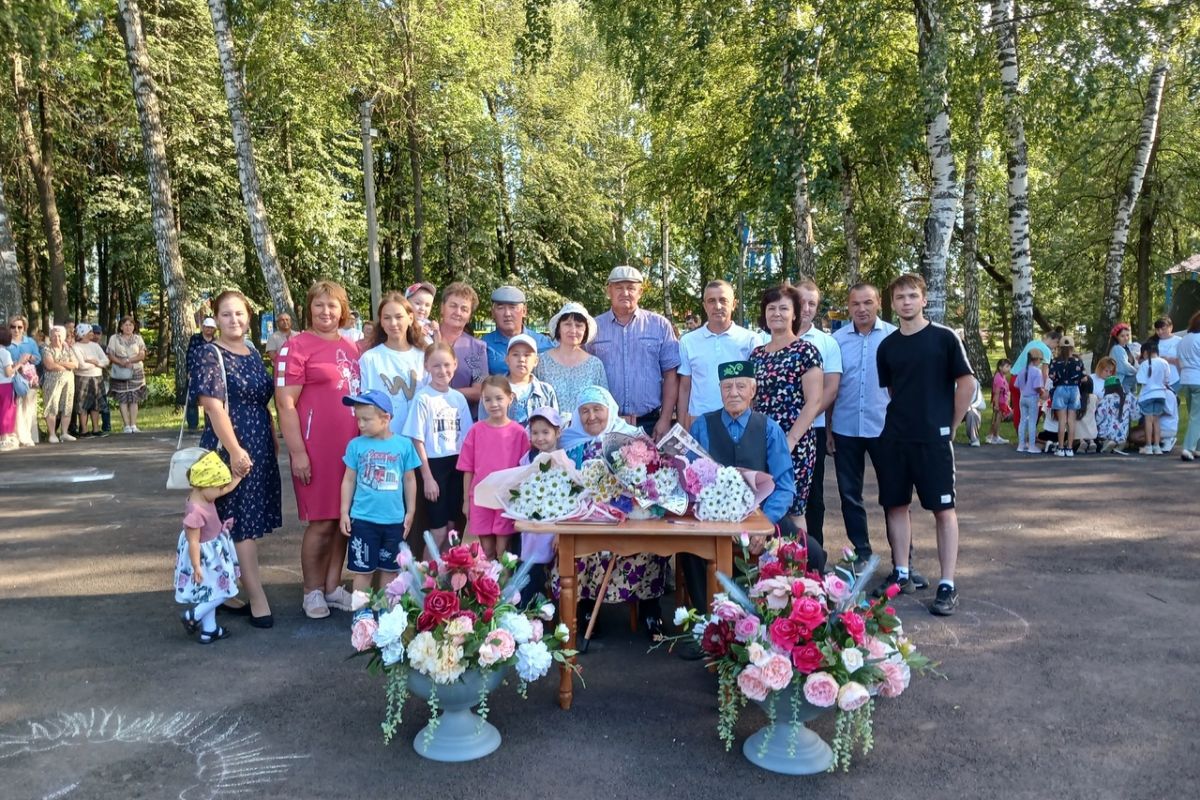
(375, 513)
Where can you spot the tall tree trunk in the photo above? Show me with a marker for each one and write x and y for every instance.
(256, 211)
(976, 352)
(162, 202)
(80, 258)
(1147, 215)
(10, 272)
(412, 120)
(504, 232)
(103, 298)
(802, 228)
(932, 55)
(1020, 259)
(1110, 310)
(850, 223)
(41, 163)
(664, 230)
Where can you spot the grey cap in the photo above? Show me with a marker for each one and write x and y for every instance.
(623, 274)
(508, 294)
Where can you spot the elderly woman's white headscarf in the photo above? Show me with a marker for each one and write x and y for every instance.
(575, 434)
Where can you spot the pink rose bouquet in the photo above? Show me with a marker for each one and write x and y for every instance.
(448, 615)
(816, 635)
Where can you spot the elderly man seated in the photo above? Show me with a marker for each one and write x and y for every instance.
(738, 436)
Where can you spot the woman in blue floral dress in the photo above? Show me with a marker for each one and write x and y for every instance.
(232, 385)
(790, 379)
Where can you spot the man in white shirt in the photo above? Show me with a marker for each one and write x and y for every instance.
(354, 331)
(702, 350)
(831, 366)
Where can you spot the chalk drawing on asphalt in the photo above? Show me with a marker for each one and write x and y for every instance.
(224, 758)
(977, 625)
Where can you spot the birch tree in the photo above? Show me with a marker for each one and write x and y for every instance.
(256, 211)
(932, 54)
(850, 222)
(1110, 309)
(10, 275)
(162, 202)
(1020, 263)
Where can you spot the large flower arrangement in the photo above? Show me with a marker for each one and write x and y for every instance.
(817, 634)
(550, 494)
(456, 612)
(651, 478)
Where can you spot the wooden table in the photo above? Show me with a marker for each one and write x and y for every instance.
(665, 537)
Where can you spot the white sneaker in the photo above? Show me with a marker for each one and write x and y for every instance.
(1061, 452)
(1070, 453)
(1158, 451)
(134, 429)
(53, 439)
(975, 443)
(1187, 455)
(66, 437)
(6, 446)
(127, 429)
(999, 440)
(314, 605)
(1146, 450)
(1109, 446)
(1021, 448)
(340, 599)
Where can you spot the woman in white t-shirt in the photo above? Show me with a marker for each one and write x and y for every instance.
(395, 365)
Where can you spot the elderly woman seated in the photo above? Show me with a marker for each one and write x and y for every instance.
(642, 577)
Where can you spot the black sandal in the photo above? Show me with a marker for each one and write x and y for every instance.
(189, 621)
(208, 637)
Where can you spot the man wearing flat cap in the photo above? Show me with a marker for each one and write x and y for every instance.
(508, 310)
(737, 436)
(640, 353)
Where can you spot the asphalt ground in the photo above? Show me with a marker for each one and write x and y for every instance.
(1070, 669)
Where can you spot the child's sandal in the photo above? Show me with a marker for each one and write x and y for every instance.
(208, 637)
(189, 622)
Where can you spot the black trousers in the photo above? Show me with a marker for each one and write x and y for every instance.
(814, 512)
(849, 464)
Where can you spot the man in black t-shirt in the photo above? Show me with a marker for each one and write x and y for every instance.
(924, 367)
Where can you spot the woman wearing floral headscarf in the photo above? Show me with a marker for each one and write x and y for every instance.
(642, 577)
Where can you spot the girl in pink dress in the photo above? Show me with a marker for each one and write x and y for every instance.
(314, 371)
(498, 443)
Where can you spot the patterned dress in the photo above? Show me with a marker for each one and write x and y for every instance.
(255, 503)
(218, 558)
(780, 396)
(638, 577)
(568, 382)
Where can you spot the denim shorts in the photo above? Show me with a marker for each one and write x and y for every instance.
(373, 546)
(1154, 408)
(1066, 398)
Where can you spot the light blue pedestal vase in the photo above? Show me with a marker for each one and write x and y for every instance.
(769, 748)
(461, 734)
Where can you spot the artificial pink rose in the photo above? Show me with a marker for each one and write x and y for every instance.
(429, 582)
(777, 672)
(783, 634)
(745, 628)
(876, 648)
(536, 626)
(458, 581)
(362, 632)
(896, 676)
(808, 611)
(398, 587)
(821, 689)
(853, 695)
(891, 591)
(777, 591)
(836, 587)
(807, 658)
(855, 626)
(728, 611)
(487, 591)
(750, 681)
(503, 641)
(459, 558)
(441, 605)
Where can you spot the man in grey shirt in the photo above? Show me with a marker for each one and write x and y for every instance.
(640, 353)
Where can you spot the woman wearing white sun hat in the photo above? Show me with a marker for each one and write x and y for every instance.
(568, 367)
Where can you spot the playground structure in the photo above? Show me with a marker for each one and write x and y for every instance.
(1183, 291)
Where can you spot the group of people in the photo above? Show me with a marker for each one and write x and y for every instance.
(398, 433)
(71, 375)
(1129, 399)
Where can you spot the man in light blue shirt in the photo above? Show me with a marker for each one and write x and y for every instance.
(857, 414)
(831, 369)
(508, 310)
(702, 350)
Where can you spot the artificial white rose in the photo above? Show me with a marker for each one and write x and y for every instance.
(852, 659)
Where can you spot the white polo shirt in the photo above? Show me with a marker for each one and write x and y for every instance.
(831, 359)
(701, 352)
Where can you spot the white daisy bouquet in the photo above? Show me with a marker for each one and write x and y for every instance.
(727, 494)
(550, 494)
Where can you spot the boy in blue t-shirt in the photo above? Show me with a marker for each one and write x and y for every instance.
(375, 515)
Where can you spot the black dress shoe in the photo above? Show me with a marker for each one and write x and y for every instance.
(237, 611)
(654, 627)
(265, 621)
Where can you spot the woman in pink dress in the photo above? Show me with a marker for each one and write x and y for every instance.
(314, 371)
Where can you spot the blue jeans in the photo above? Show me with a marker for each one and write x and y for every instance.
(1027, 433)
